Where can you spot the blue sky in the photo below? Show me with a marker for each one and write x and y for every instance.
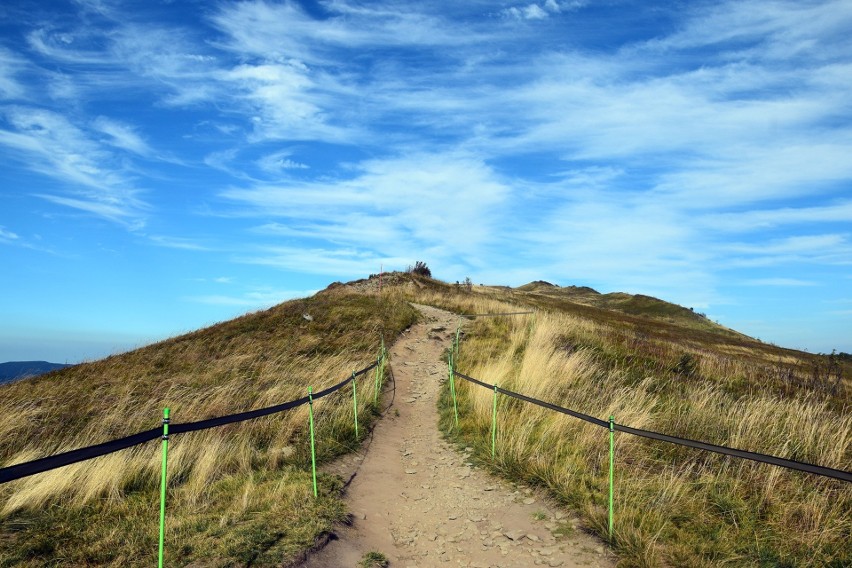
(166, 165)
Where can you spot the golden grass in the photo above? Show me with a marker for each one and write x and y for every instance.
(237, 493)
(674, 505)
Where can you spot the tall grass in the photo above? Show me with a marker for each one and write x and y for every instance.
(674, 505)
(239, 493)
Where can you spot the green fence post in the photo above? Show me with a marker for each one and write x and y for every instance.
(456, 342)
(355, 403)
(313, 452)
(451, 365)
(382, 357)
(163, 480)
(376, 386)
(494, 424)
(611, 468)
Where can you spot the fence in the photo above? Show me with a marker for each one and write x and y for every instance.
(29, 468)
(613, 427)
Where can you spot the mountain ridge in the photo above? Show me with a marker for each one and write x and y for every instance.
(17, 370)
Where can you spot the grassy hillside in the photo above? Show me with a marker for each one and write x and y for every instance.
(674, 506)
(640, 335)
(238, 494)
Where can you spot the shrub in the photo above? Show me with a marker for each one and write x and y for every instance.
(420, 268)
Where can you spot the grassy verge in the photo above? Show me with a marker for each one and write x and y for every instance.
(674, 506)
(239, 494)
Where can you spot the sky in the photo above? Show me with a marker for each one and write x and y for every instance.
(165, 165)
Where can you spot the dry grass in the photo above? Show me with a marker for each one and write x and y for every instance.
(241, 494)
(237, 493)
(674, 506)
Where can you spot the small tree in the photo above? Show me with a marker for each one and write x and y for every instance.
(420, 268)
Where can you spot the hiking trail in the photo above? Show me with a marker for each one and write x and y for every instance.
(418, 501)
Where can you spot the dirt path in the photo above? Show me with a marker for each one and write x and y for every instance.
(420, 503)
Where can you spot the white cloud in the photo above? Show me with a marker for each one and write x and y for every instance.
(177, 243)
(828, 249)
(347, 262)
(797, 244)
(279, 161)
(760, 219)
(785, 282)
(121, 135)
(62, 46)
(283, 97)
(50, 144)
(448, 203)
(278, 32)
(10, 65)
(254, 299)
(541, 11)
(7, 236)
(767, 28)
(528, 12)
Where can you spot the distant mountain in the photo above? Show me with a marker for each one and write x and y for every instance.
(14, 370)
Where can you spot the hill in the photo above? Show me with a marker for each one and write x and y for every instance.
(629, 304)
(240, 495)
(660, 369)
(14, 370)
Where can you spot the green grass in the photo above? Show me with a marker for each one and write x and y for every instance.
(374, 559)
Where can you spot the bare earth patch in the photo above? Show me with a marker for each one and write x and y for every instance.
(421, 503)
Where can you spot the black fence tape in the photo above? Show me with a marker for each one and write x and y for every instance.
(537, 402)
(754, 456)
(26, 469)
(67, 458)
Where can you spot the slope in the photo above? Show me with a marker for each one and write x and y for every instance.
(673, 505)
(238, 493)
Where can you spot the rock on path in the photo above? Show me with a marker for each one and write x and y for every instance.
(421, 503)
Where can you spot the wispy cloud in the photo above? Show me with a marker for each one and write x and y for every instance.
(50, 144)
(794, 282)
(10, 65)
(336, 262)
(177, 243)
(450, 206)
(762, 219)
(7, 236)
(255, 299)
(121, 136)
(542, 10)
(828, 249)
(279, 161)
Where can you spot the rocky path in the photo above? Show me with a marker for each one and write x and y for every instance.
(421, 503)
